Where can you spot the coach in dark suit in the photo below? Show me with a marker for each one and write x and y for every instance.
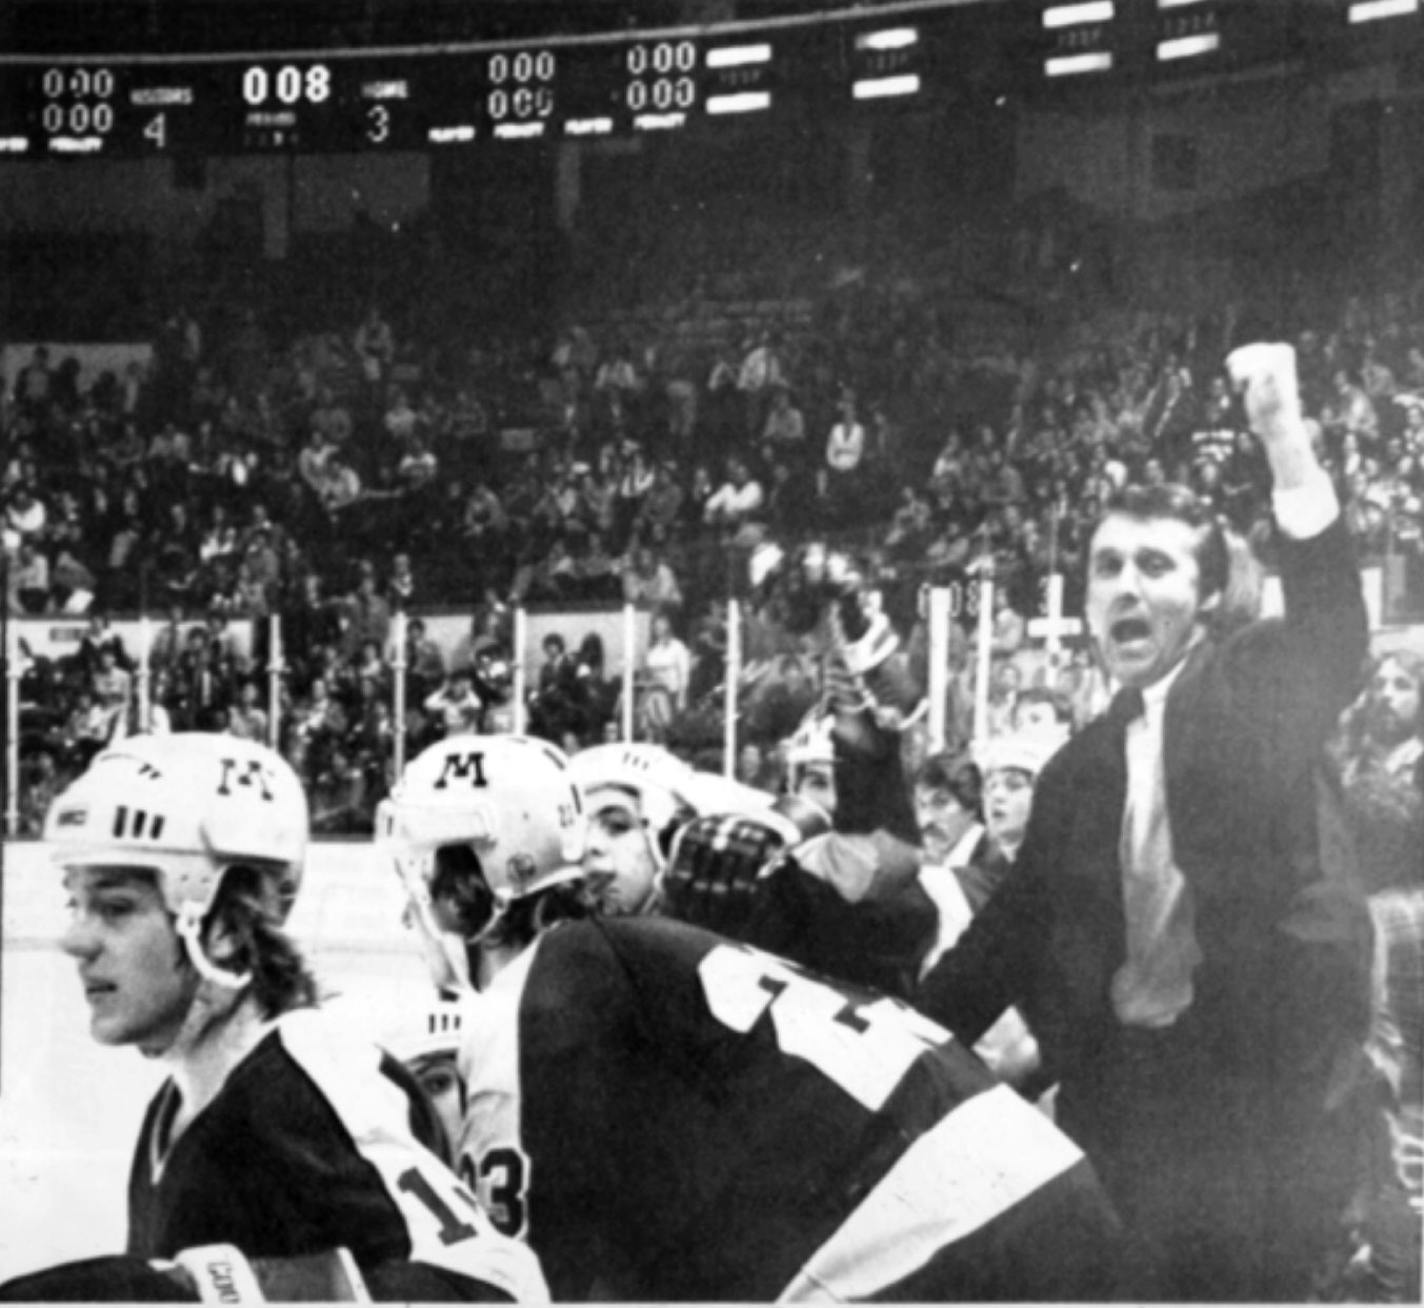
(1160, 929)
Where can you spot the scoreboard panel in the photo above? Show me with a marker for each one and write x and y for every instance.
(331, 102)
(423, 97)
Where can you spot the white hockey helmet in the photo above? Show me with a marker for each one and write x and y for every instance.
(509, 800)
(651, 774)
(426, 1032)
(189, 806)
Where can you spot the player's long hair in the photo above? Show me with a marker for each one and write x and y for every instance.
(281, 979)
(527, 917)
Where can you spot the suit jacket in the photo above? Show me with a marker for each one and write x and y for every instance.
(1245, 722)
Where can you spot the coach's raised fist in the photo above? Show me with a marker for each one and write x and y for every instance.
(1265, 375)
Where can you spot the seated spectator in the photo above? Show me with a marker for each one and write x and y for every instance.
(783, 435)
(26, 513)
(1380, 756)
(456, 706)
(340, 803)
(736, 505)
(424, 660)
(648, 579)
(71, 585)
(85, 731)
(845, 443)
(29, 580)
(246, 718)
(112, 685)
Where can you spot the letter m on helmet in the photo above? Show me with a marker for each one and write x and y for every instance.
(462, 767)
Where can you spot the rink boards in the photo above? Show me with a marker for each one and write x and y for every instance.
(70, 1109)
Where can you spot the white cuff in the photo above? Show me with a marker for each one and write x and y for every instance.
(1306, 511)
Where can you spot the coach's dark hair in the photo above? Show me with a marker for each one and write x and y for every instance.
(1172, 500)
(248, 907)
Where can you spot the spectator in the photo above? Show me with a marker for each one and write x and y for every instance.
(737, 504)
(29, 580)
(1379, 753)
(424, 660)
(667, 662)
(783, 436)
(650, 580)
(456, 705)
(246, 718)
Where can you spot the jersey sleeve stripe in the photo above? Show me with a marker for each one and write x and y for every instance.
(977, 1163)
(436, 1210)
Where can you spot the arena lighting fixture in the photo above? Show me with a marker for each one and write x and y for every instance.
(739, 102)
(738, 56)
(1187, 47)
(1096, 61)
(1092, 11)
(891, 38)
(1369, 10)
(882, 88)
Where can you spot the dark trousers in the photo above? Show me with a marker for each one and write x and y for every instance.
(1224, 1180)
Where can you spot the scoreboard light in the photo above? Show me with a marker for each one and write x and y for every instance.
(738, 56)
(739, 102)
(1188, 47)
(1368, 11)
(659, 122)
(1082, 37)
(884, 88)
(460, 135)
(1092, 11)
(518, 131)
(884, 63)
(1187, 31)
(1094, 61)
(892, 38)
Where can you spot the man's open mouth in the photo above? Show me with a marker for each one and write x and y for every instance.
(1126, 630)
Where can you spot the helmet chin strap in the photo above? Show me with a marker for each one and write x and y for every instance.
(190, 927)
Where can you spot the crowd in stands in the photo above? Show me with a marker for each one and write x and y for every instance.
(334, 477)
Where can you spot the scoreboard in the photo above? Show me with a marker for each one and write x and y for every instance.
(404, 99)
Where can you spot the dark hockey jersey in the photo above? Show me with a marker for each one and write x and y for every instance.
(664, 1114)
(308, 1147)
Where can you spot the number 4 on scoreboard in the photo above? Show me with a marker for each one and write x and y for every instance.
(156, 130)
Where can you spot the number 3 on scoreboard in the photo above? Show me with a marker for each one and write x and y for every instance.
(864, 1043)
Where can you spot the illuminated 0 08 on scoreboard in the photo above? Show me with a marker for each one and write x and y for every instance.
(310, 102)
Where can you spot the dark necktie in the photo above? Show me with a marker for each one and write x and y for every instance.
(1126, 707)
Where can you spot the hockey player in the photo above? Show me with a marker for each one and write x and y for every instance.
(276, 1160)
(665, 1114)
(635, 796)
